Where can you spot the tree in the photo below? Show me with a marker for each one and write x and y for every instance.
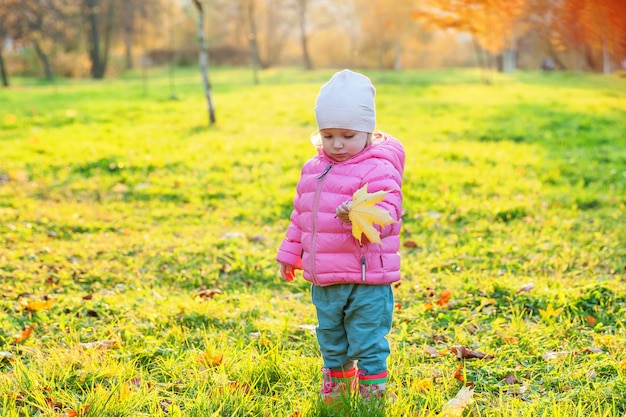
(204, 61)
(491, 23)
(42, 24)
(301, 8)
(4, 33)
(99, 16)
(248, 7)
(600, 27)
(386, 26)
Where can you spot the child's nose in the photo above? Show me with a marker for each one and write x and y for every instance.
(337, 143)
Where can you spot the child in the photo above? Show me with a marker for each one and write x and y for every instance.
(351, 282)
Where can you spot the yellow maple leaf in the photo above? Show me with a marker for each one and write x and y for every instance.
(550, 312)
(363, 213)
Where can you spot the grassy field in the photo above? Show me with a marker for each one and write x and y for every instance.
(137, 244)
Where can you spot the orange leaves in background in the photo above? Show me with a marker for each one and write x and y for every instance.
(363, 213)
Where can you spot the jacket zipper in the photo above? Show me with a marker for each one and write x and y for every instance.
(316, 199)
(363, 268)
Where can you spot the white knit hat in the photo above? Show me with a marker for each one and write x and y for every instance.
(346, 101)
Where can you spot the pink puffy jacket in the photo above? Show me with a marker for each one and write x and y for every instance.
(322, 245)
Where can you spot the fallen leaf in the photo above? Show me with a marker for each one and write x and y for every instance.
(363, 213)
(550, 312)
(511, 339)
(120, 188)
(431, 351)
(206, 358)
(100, 344)
(459, 375)
(25, 334)
(462, 352)
(591, 320)
(472, 328)
(56, 406)
(455, 407)
(410, 244)
(444, 297)
(206, 293)
(34, 305)
(165, 405)
(509, 379)
(421, 385)
(553, 355)
(439, 338)
(525, 288)
(18, 175)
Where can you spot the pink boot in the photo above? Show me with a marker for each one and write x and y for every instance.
(372, 386)
(336, 383)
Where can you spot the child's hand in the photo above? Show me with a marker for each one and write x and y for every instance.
(288, 272)
(343, 211)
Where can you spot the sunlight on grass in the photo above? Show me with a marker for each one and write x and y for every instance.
(139, 244)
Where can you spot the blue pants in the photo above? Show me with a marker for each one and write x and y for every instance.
(353, 322)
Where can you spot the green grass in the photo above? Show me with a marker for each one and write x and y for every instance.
(118, 205)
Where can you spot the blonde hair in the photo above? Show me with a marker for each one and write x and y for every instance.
(372, 137)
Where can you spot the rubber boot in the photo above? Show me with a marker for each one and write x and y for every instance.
(372, 386)
(337, 383)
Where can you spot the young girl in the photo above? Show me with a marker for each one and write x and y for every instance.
(351, 281)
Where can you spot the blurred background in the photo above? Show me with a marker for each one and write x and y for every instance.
(103, 38)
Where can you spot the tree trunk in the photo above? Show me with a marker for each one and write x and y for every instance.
(606, 59)
(252, 38)
(93, 38)
(204, 62)
(99, 57)
(302, 5)
(128, 22)
(3, 71)
(44, 61)
(397, 63)
(483, 64)
(107, 38)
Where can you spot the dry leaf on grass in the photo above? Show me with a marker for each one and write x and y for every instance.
(455, 407)
(100, 344)
(431, 351)
(525, 288)
(210, 360)
(462, 352)
(363, 213)
(444, 297)
(25, 334)
(548, 356)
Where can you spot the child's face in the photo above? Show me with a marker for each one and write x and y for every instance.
(341, 144)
